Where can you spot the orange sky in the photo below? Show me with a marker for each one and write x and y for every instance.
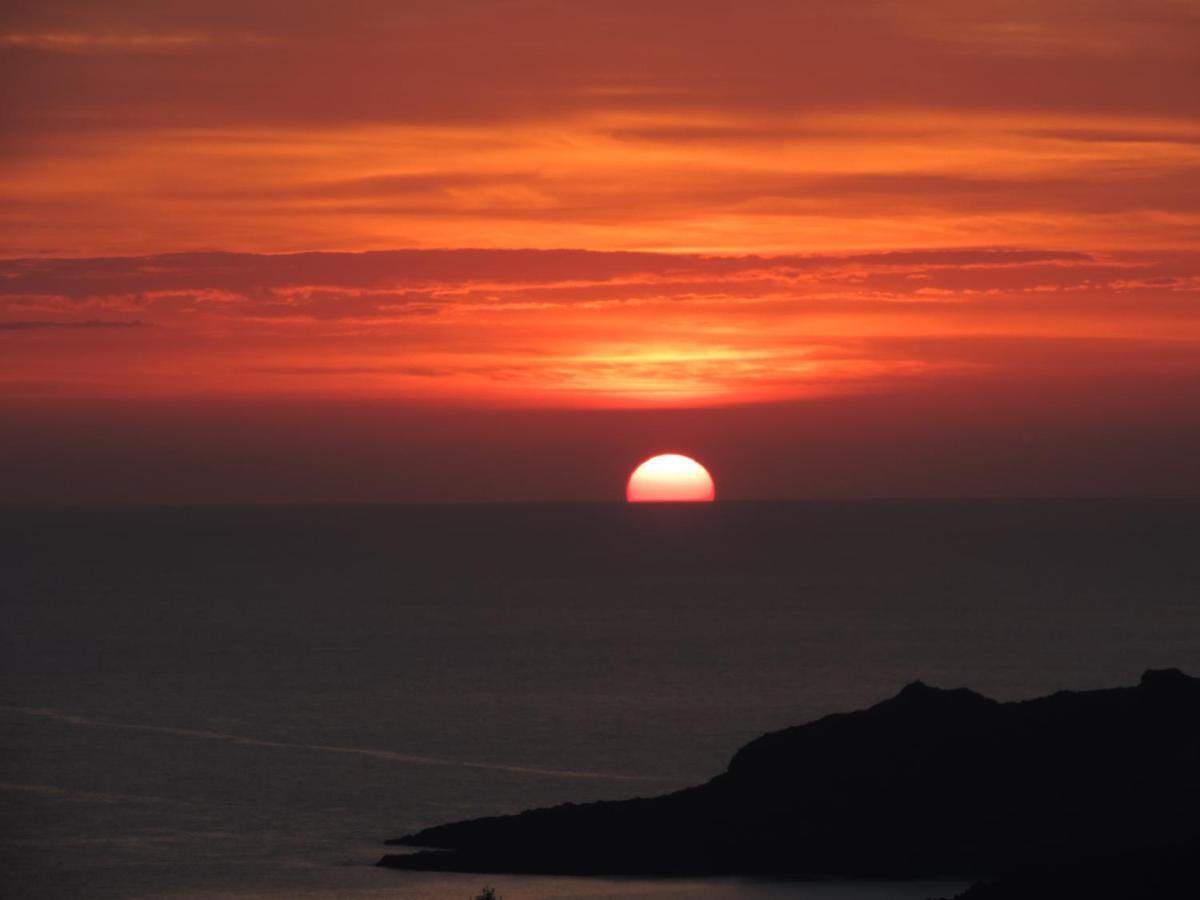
(588, 207)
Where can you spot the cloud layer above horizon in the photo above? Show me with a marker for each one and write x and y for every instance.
(753, 127)
(587, 328)
(609, 205)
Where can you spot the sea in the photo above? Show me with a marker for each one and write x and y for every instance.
(245, 702)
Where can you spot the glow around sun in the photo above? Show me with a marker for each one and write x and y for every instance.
(670, 478)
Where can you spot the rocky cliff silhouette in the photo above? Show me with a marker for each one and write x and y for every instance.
(930, 782)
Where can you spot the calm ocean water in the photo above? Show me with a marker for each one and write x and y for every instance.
(245, 701)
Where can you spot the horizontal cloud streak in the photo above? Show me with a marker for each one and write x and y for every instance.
(247, 272)
(762, 126)
(872, 179)
(574, 327)
(19, 325)
(118, 42)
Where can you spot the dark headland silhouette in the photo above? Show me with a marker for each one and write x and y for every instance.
(1099, 787)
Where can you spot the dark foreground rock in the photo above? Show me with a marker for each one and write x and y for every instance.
(930, 782)
(1136, 873)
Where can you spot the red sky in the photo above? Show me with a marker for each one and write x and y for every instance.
(506, 249)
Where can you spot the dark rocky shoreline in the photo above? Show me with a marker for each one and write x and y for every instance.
(1095, 786)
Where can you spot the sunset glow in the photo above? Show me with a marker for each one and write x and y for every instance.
(604, 208)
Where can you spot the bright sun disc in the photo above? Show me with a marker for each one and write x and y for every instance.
(670, 478)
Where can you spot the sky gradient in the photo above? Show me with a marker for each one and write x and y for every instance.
(495, 250)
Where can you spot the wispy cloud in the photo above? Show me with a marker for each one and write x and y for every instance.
(592, 328)
(872, 179)
(125, 42)
(1060, 29)
(827, 126)
(35, 325)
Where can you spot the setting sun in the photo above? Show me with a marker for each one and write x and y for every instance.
(670, 478)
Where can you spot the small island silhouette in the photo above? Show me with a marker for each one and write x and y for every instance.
(1092, 793)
